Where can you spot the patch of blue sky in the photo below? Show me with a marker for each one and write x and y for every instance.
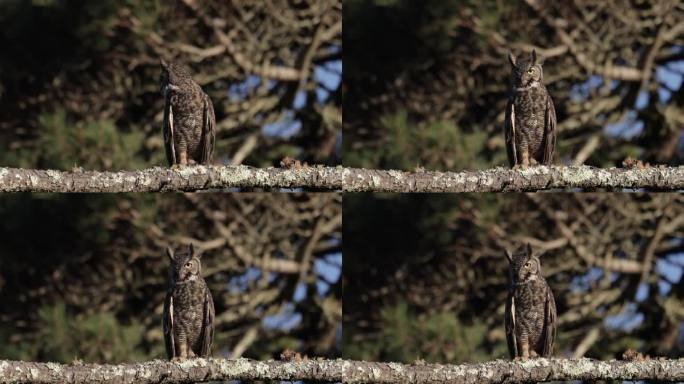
(284, 128)
(300, 100)
(330, 269)
(300, 293)
(627, 320)
(584, 282)
(672, 269)
(627, 128)
(672, 76)
(642, 100)
(285, 320)
(642, 292)
(240, 283)
(240, 91)
(581, 91)
(330, 76)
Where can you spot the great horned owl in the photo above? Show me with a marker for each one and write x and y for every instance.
(530, 308)
(189, 124)
(188, 309)
(530, 126)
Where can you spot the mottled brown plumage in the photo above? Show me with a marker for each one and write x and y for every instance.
(530, 122)
(189, 124)
(530, 308)
(188, 320)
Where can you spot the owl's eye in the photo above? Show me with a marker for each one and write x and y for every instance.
(530, 71)
(188, 265)
(528, 264)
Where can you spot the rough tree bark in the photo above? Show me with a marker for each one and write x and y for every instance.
(191, 178)
(197, 370)
(161, 371)
(504, 371)
(195, 178)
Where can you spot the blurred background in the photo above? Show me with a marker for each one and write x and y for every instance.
(79, 81)
(84, 277)
(426, 82)
(425, 276)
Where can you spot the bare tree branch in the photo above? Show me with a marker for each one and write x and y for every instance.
(195, 178)
(198, 370)
(161, 371)
(502, 371)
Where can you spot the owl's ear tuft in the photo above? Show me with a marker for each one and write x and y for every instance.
(533, 57)
(169, 253)
(509, 255)
(191, 250)
(163, 63)
(511, 59)
(528, 249)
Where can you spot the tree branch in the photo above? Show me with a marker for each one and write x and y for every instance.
(198, 370)
(510, 180)
(195, 178)
(161, 371)
(191, 178)
(503, 371)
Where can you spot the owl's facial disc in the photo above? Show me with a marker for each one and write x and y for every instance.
(189, 269)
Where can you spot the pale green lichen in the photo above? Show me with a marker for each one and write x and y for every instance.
(396, 367)
(261, 368)
(35, 373)
(534, 363)
(52, 174)
(396, 175)
(192, 363)
(290, 368)
(3, 366)
(57, 368)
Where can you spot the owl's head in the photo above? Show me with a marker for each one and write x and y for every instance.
(173, 77)
(526, 72)
(524, 266)
(185, 263)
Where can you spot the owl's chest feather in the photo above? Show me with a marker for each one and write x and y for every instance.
(188, 113)
(530, 112)
(188, 304)
(530, 306)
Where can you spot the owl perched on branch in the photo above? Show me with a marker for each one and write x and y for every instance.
(188, 320)
(530, 308)
(530, 123)
(189, 124)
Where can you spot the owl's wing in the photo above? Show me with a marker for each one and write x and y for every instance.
(549, 131)
(167, 322)
(208, 131)
(509, 134)
(207, 325)
(167, 130)
(510, 325)
(549, 334)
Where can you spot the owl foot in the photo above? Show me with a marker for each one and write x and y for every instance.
(177, 359)
(177, 167)
(520, 167)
